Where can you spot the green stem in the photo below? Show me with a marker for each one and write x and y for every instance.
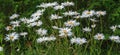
(110, 48)
(101, 24)
(86, 47)
(100, 47)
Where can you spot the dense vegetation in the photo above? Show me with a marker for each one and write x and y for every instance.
(108, 25)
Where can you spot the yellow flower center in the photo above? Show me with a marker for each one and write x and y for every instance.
(88, 12)
(65, 31)
(99, 37)
(10, 27)
(11, 37)
(70, 22)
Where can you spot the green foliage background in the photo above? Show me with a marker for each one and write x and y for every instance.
(27, 7)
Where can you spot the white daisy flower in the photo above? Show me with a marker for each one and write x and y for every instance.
(54, 4)
(118, 26)
(24, 20)
(55, 27)
(99, 36)
(93, 26)
(36, 15)
(55, 16)
(14, 16)
(78, 16)
(38, 23)
(115, 38)
(58, 7)
(64, 32)
(88, 13)
(9, 28)
(31, 24)
(79, 41)
(1, 48)
(70, 13)
(94, 20)
(113, 28)
(12, 36)
(30, 20)
(44, 39)
(41, 31)
(40, 11)
(15, 23)
(99, 13)
(67, 4)
(71, 23)
(46, 5)
(86, 29)
(18, 50)
(33, 19)
(23, 33)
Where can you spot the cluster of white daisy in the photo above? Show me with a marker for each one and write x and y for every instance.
(46, 5)
(34, 19)
(100, 36)
(43, 39)
(91, 13)
(12, 36)
(79, 41)
(71, 13)
(66, 31)
(114, 27)
(115, 38)
(55, 5)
